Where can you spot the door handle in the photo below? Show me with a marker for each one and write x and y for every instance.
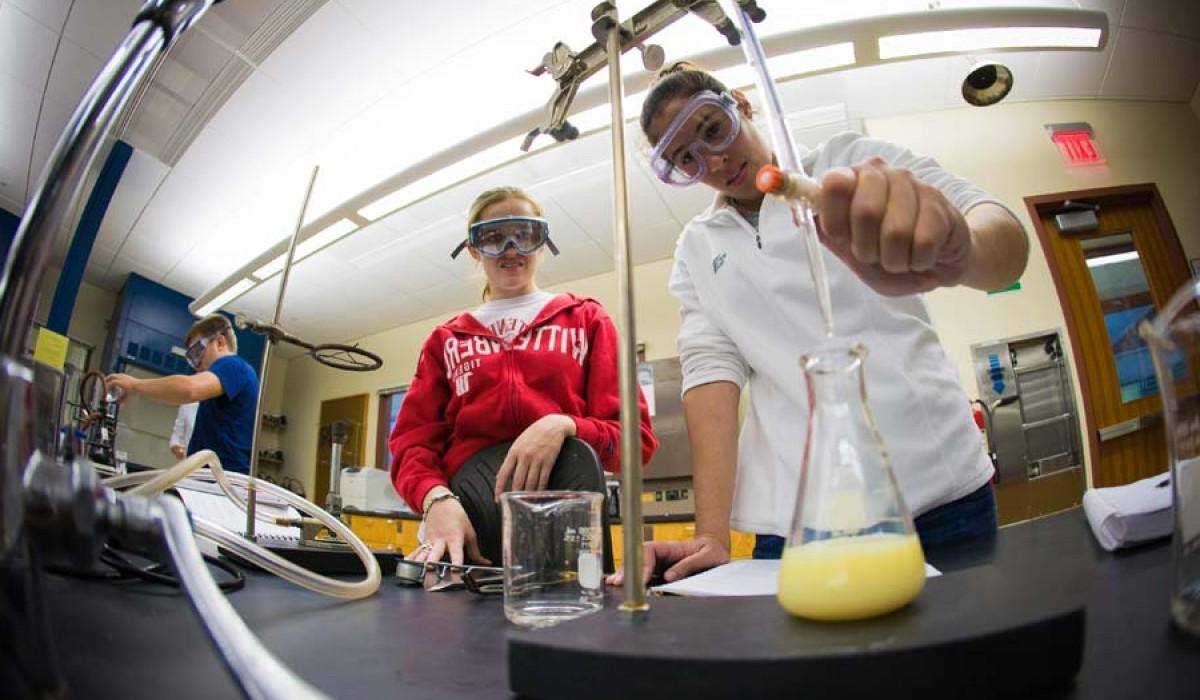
(1116, 430)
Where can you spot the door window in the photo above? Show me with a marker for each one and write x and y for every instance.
(1125, 301)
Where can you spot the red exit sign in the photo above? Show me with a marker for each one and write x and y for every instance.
(1076, 143)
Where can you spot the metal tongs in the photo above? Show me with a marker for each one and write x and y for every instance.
(442, 576)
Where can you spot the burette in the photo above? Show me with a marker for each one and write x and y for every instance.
(793, 183)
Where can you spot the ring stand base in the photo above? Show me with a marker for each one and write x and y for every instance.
(973, 634)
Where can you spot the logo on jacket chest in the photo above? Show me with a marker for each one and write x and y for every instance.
(466, 355)
(718, 262)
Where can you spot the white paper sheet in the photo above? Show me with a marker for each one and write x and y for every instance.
(217, 508)
(738, 578)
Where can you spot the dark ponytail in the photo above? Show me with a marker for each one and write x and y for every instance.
(677, 80)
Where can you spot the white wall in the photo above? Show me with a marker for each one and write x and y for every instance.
(1003, 148)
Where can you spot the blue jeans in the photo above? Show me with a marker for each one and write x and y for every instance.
(971, 516)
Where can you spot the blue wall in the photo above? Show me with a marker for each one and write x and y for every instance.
(150, 319)
(8, 229)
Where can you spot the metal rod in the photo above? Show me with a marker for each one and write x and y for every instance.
(57, 187)
(631, 448)
(63, 176)
(785, 150)
(251, 499)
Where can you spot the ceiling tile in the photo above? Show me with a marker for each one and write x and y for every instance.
(19, 109)
(655, 243)
(99, 27)
(578, 260)
(347, 79)
(900, 88)
(14, 152)
(197, 52)
(450, 298)
(26, 47)
(1170, 16)
(50, 127)
(50, 13)
(1152, 65)
(73, 71)
(1068, 74)
(140, 180)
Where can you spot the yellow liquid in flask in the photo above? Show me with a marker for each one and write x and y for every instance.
(851, 578)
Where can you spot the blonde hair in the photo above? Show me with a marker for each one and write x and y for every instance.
(211, 325)
(494, 196)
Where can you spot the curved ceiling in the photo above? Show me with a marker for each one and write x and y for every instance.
(261, 90)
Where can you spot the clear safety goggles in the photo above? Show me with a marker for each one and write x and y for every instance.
(525, 234)
(707, 125)
(196, 350)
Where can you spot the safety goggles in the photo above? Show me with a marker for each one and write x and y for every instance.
(707, 125)
(525, 234)
(196, 350)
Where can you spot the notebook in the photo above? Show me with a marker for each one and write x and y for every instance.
(215, 507)
(738, 578)
(287, 542)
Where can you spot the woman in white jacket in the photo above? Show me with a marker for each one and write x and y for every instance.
(893, 225)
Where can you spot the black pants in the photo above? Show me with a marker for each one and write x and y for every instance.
(576, 469)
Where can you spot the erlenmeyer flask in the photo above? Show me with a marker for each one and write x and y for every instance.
(1174, 340)
(852, 552)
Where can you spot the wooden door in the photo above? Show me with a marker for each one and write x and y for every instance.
(353, 411)
(1109, 277)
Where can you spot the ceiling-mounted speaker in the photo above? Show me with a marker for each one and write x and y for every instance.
(986, 84)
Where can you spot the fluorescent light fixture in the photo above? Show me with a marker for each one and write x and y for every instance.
(990, 38)
(1111, 259)
(328, 236)
(239, 288)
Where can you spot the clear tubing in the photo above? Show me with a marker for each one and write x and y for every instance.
(789, 159)
(255, 668)
(153, 482)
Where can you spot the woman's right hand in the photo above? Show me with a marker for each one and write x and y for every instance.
(675, 560)
(449, 530)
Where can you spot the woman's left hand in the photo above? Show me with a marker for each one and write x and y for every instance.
(532, 455)
(898, 234)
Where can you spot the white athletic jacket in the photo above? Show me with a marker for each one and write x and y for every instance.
(748, 313)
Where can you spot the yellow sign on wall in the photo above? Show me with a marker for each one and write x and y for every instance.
(51, 349)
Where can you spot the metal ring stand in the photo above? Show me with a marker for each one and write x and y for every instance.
(972, 634)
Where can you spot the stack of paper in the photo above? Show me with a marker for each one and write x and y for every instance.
(738, 578)
(1125, 515)
(217, 508)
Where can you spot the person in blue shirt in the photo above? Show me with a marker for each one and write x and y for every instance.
(225, 385)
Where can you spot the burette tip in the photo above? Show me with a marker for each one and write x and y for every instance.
(770, 179)
(795, 186)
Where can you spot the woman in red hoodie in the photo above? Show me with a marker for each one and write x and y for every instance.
(527, 366)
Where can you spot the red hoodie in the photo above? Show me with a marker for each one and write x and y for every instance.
(473, 390)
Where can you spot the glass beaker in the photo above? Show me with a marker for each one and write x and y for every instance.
(853, 551)
(553, 555)
(1174, 341)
